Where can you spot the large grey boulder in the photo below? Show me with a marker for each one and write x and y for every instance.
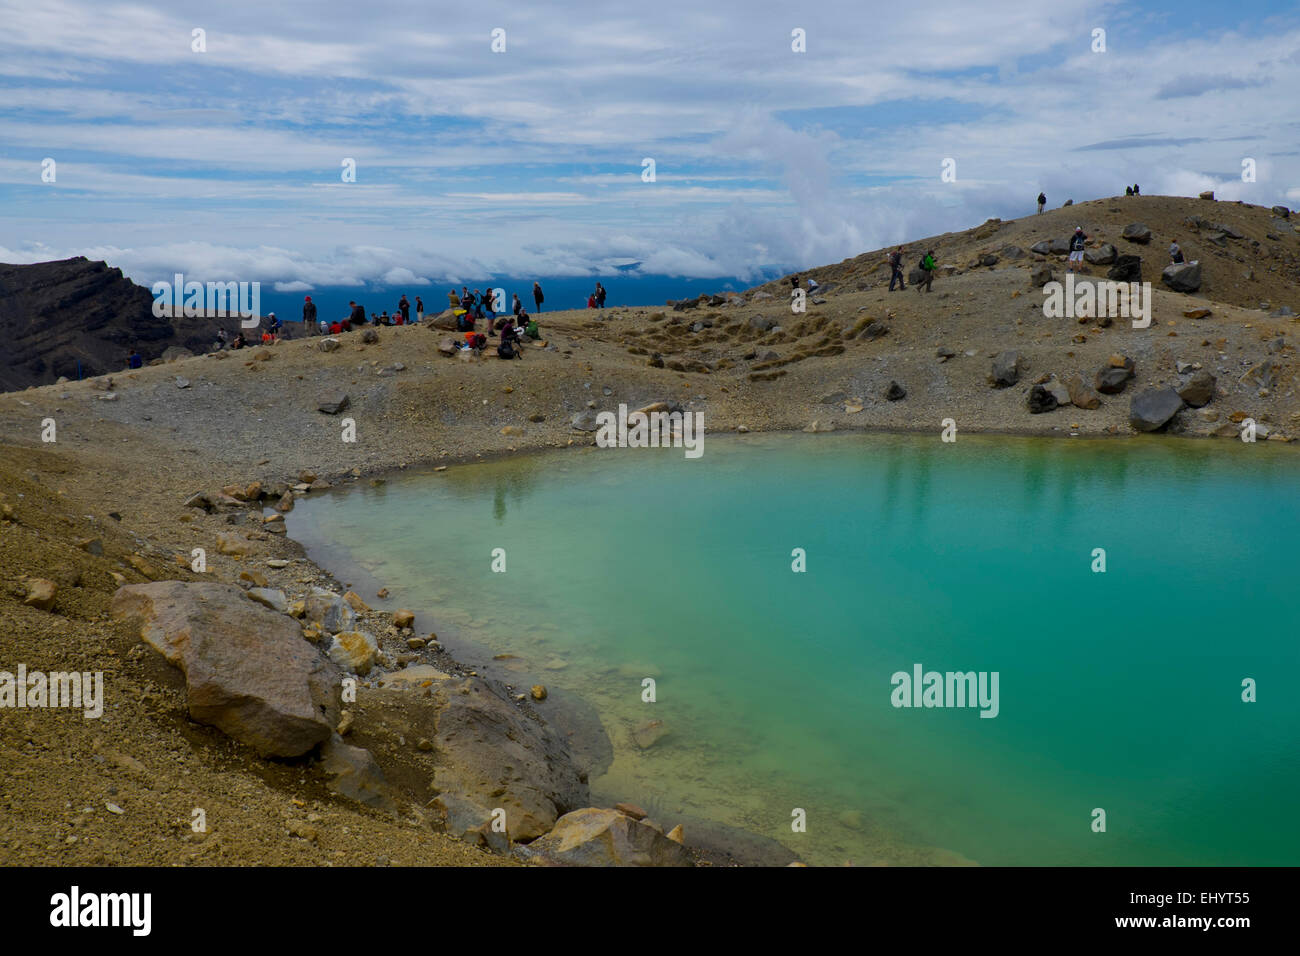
(1182, 276)
(484, 753)
(248, 672)
(489, 751)
(1152, 409)
(352, 772)
(1138, 232)
(1103, 255)
(1006, 369)
(1197, 390)
(1111, 378)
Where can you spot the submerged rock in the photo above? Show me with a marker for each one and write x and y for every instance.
(598, 837)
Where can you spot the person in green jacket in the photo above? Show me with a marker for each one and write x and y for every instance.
(927, 271)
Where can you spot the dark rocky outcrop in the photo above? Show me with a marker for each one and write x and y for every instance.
(73, 316)
(1127, 268)
(1041, 400)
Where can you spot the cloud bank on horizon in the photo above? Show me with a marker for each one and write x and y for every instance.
(227, 163)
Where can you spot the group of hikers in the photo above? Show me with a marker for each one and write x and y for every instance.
(513, 330)
(927, 265)
(401, 315)
(1133, 190)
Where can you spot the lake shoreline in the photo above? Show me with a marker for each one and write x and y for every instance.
(133, 447)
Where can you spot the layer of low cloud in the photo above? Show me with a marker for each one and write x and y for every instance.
(226, 164)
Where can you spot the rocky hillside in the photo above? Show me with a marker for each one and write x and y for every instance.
(1248, 254)
(78, 318)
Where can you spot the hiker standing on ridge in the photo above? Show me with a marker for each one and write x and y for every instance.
(1076, 248)
(538, 298)
(896, 269)
(1128, 190)
(1042, 201)
(1136, 190)
(516, 306)
(600, 296)
(309, 315)
(928, 266)
(404, 307)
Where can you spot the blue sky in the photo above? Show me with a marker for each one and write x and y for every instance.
(225, 164)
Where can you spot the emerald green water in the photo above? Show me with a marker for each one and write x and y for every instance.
(1119, 690)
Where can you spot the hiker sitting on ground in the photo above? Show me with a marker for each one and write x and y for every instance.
(591, 301)
(1175, 253)
(223, 339)
(927, 266)
(239, 341)
(274, 325)
(134, 360)
(509, 347)
(324, 327)
(336, 327)
(1076, 248)
(1042, 201)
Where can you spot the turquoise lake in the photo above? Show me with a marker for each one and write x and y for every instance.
(1119, 690)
